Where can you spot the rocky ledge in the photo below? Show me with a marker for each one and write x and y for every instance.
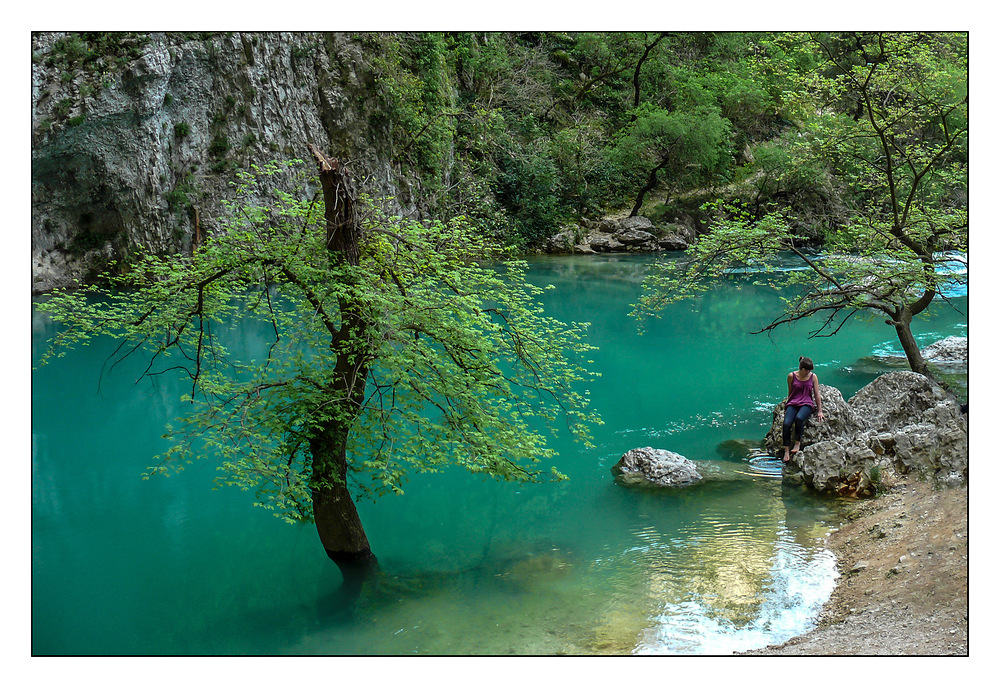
(635, 234)
(901, 424)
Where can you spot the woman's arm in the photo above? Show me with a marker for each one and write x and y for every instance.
(819, 401)
(789, 395)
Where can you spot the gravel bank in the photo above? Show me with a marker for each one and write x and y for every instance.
(904, 585)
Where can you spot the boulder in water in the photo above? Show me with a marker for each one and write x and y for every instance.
(657, 467)
(948, 350)
(737, 450)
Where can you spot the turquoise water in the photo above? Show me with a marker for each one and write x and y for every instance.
(172, 566)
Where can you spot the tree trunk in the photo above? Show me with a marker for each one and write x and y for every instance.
(651, 182)
(638, 68)
(336, 516)
(334, 512)
(910, 348)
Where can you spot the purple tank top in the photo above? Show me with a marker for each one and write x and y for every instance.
(801, 392)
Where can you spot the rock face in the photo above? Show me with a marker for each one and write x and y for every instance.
(901, 423)
(142, 154)
(654, 467)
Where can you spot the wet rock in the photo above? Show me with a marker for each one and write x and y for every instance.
(737, 450)
(656, 467)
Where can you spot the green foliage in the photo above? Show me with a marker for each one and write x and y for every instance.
(63, 107)
(464, 367)
(413, 86)
(877, 480)
(181, 130)
(688, 146)
(219, 146)
(583, 170)
(897, 137)
(96, 50)
(548, 119)
(737, 240)
(530, 187)
(180, 198)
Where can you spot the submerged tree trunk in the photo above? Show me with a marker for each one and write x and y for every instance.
(337, 521)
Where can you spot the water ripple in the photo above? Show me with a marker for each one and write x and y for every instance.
(765, 465)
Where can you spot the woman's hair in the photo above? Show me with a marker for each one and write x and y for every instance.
(805, 363)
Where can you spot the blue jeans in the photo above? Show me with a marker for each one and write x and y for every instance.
(794, 415)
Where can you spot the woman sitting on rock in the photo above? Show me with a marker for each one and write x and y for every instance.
(803, 397)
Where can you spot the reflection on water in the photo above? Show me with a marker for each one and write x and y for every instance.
(794, 587)
(469, 567)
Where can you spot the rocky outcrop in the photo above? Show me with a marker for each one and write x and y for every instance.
(841, 421)
(646, 466)
(948, 350)
(897, 399)
(139, 149)
(901, 423)
(634, 234)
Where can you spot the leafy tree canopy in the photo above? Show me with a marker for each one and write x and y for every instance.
(463, 367)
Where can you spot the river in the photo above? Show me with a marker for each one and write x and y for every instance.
(171, 566)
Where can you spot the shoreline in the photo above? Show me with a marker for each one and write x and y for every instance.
(903, 588)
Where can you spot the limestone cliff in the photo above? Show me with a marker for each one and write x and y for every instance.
(137, 146)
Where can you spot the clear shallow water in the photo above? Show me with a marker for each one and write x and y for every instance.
(171, 566)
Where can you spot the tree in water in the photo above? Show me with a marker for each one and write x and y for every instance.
(393, 350)
(888, 116)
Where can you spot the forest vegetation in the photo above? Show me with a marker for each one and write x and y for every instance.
(533, 130)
